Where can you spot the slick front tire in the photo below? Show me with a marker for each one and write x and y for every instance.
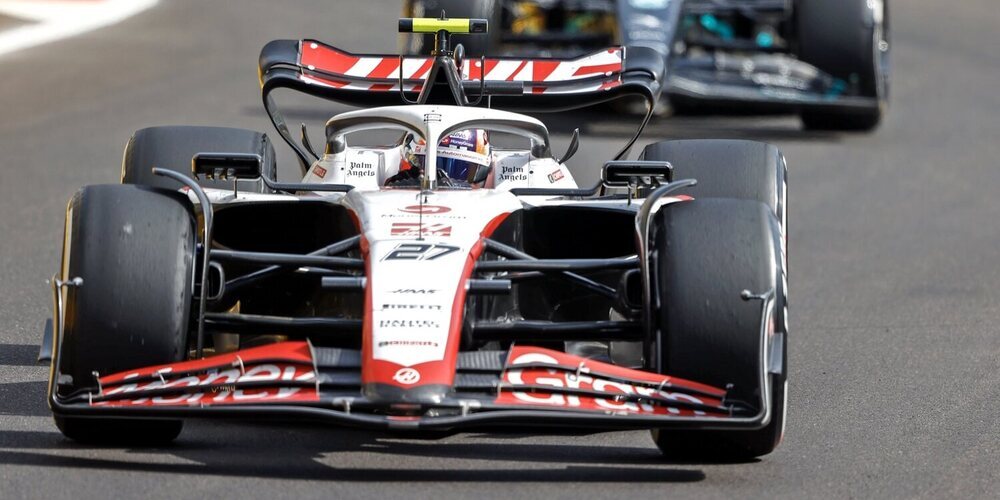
(849, 40)
(133, 249)
(172, 148)
(706, 252)
(740, 169)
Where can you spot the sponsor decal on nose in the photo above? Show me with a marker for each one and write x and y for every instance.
(407, 376)
(425, 209)
(415, 291)
(408, 323)
(411, 307)
(418, 229)
(419, 251)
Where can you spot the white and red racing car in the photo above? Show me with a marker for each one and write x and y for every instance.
(454, 278)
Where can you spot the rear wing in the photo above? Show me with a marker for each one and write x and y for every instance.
(549, 84)
(517, 84)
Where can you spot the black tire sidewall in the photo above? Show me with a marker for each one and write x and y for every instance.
(728, 168)
(694, 255)
(833, 37)
(173, 147)
(133, 247)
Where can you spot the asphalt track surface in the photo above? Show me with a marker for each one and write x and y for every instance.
(895, 277)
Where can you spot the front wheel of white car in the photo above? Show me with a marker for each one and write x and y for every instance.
(706, 253)
(130, 249)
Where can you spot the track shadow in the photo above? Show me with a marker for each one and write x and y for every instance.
(18, 355)
(24, 399)
(318, 453)
(28, 440)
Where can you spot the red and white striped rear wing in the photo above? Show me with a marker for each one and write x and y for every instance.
(550, 84)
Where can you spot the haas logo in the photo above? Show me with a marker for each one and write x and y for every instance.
(407, 376)
(425, 209)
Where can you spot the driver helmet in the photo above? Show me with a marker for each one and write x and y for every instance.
(459, 156)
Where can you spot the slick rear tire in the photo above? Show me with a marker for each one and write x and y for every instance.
(745, 170)
(133, 247)
(172, 148)
(475, 45)
(842, 38)
(706, 253)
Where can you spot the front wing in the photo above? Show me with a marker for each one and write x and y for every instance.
(742, 82)
(523, 386)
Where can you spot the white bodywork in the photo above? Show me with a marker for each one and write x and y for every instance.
(367, 168)
(421, 244)
(418, 262)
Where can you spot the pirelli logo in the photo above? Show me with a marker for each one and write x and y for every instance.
(410, 229)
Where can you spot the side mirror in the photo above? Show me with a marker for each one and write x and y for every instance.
(574, 145)
(227, 165)
(636, 173)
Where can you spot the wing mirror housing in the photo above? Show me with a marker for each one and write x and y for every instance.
(227, 165)
(636, 173)
(574, 146)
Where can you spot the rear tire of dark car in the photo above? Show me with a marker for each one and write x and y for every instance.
(706, 252)
(475, 45)
(133, 248)
(842, 38)
(173, 147)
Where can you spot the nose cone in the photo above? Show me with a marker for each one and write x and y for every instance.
(423, 394)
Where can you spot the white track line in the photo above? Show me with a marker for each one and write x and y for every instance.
(58, 20)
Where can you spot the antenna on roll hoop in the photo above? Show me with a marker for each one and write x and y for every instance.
(446, 68)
